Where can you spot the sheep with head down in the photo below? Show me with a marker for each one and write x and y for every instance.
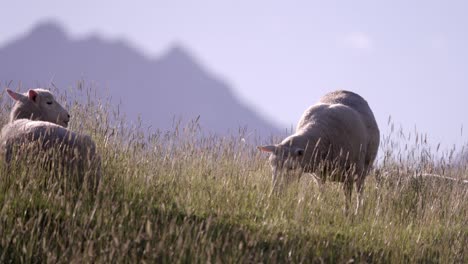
(336, 139)
(38, 128)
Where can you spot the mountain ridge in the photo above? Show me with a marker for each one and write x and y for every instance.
(174, 84)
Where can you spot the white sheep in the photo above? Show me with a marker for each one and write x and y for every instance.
(335, 139)
(37, 127)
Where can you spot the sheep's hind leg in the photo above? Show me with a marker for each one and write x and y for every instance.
(348, 190)
(360, 191)
(319, 183)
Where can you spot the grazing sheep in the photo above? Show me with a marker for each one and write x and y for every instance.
(37, 127)
(335, 139)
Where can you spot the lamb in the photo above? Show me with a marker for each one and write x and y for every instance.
(335, 139)
(38, 126)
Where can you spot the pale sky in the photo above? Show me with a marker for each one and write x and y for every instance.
(408, 59)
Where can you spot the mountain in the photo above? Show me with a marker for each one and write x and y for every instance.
(158, 89)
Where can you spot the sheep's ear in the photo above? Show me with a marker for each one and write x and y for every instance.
(270, 149)
(14, 95)
(32, 95)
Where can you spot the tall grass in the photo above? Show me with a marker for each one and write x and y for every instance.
(181, 196)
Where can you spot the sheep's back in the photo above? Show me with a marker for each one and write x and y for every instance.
(44, 135)
(25, 131)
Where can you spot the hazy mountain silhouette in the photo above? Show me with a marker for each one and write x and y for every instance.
(159, 89)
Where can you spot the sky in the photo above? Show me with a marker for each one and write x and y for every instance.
(408, 59)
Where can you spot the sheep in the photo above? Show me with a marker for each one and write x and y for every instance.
(335, 139)
(38, 127)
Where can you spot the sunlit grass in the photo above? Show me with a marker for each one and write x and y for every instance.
(181, 196)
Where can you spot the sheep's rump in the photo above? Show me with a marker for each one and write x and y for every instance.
(361, 106)
(339, 137)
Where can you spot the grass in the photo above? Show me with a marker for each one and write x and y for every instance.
(181, 196)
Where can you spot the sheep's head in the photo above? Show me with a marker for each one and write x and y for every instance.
(285, 162)
(294, 155)
(38, 104)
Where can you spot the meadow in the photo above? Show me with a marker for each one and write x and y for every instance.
(184, 196)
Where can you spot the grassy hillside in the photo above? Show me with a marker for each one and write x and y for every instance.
(181, 197)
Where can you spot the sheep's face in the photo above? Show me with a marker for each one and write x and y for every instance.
(285, 162)
(38, 104)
